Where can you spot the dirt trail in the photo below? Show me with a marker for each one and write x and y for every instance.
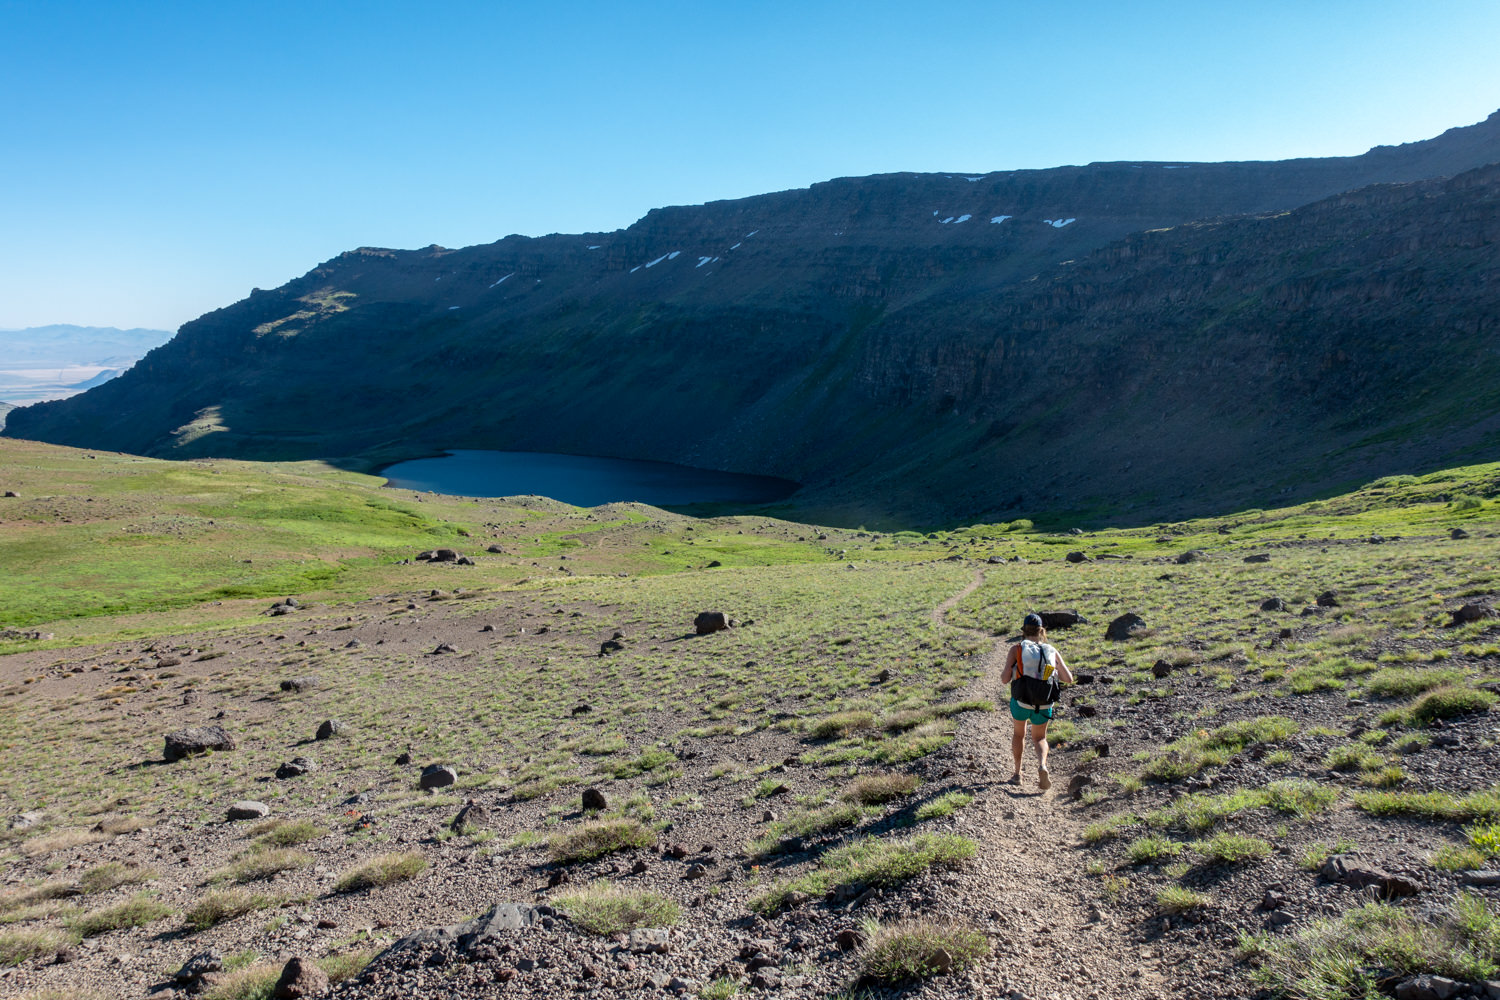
(1029, 883)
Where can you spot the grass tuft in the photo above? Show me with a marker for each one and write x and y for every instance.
(383, 869)
(917, 949)
(605, 909)
(598, 838)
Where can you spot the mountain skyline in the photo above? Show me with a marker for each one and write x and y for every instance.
(175, 159)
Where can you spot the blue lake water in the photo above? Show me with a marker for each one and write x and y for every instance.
(586, 482)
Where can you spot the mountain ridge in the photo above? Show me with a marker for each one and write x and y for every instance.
(854, 335)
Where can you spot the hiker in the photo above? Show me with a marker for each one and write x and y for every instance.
(1037, 670)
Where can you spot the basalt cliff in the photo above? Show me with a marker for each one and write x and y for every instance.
(1115, 341)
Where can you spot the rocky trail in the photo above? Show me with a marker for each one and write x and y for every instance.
(1052, 938)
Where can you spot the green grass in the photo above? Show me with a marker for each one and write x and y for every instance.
(262, 864)
(597, 838)
(24, 944)
(876, 789)
(1340, 958)
(805, 823)
(1231, 849)
(381, 870)
(1150, 850)
(1176, 899)
(920, 948)
(224, 904)
(286, 833)
(606, 909)
(870, 861)
(1187, 756)
(1391, 682)
(110, 875)
(944, 805)
(1449, 702)
(137, 911)
(1482, 805)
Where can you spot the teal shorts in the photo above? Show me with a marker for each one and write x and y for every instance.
(1021, 713)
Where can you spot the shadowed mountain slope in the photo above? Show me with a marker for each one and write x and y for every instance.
(913, 348)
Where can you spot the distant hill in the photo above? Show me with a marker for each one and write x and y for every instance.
(1118, 340)
(54, 362)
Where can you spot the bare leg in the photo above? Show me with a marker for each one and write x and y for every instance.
(1017, 744)
(1039, 740)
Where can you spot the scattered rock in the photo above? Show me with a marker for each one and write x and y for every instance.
(443, 648)
(199, 966)
(403, 758)
(497, 549)
(1259, 557)
(297, 685)
(1472, 613)
(883, 676)
(438, 776)
(594, 800)
(610, 646)
(27, 820)
(1329, 599)
(1190, 556)
(1077, 784)
(1077, 557)
(301, 979)
(168, 661)
(1127, 626)
(849, 939)
(196, 740)
(1340, 868)
(710, 621)
(649, 941)
(1428, 987)
(329, 729)
(471, 818)
(1061, 619)
(1456, 534)
(1273, 604)
(1160, 669)
(296, 767)
(249, 809)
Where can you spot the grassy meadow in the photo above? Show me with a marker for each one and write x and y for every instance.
(136, 599)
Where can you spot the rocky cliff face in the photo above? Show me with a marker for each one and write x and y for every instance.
(912, 347)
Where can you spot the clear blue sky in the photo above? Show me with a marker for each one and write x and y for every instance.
(159, 159)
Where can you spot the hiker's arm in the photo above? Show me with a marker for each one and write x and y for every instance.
(1062, 669)
(1010, 663)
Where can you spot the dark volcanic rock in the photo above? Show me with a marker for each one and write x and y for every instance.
(200, 739)
(301, 979)
(1125, 627)
(1061, 619)
(710, 621)
(1472, 613)
(296, 767)
(329, 729)
(438, 776)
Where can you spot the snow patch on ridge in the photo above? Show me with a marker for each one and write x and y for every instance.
(1001, 218)
(510, 275)
(1058, 223)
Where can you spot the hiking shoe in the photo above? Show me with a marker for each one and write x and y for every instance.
(1014, 779)
(1043, 779)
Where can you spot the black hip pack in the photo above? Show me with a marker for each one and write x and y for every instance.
(1034, 692)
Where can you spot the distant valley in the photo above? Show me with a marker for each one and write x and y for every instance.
(55, 362)
(1109, 343)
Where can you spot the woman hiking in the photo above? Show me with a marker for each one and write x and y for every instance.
(1032, 657)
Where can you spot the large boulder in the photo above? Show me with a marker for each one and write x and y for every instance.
(196, 740)
(249, 809)
(1472, 613)
(1127, 626)
(496, 926)
(438, 776)
(1061, 619)
(301, 979)
(710, 621)
(329, 729)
